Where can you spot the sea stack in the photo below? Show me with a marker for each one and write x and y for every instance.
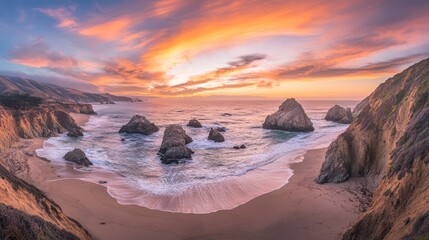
(339, 114)
(173, 147)
(77, 156)
(290, 117)
(215, 135)
(194, 123)
(139, 124)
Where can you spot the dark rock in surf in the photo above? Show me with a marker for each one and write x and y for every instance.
(215, 135)
(139, 124)
(77, 156)
(75, 132)
(194, 123)
(173, 147)
(339, 114)
(290, 117)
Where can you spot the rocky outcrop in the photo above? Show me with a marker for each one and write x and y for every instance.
(82, 108)
(194, 123)
(139, 124)
(38, 122)
(289, 117)
(77, 156)
(339, 114)
(75, 132)
(173, 147)
(388, 144)
(215, 135)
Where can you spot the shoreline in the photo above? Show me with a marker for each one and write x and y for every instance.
(300, 209)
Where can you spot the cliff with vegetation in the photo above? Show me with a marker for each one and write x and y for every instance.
(16, 85)
(388, 144)
(25, 211)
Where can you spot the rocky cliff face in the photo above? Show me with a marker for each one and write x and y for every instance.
(25, 212)
(388, 143)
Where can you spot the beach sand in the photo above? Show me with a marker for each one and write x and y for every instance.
(301, 209)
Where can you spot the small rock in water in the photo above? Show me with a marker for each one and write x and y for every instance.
(194, 123)
(122, 139)
(75, 132)
(221, 129)
(227, 114)
(236, 147)
(139, 124)
(242, 146)
(215, 135)
(102, 182)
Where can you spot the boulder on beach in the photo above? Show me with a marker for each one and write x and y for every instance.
(194, 123)
(77, 156)
(242, 146)
(215, 135)
(339, 114)
(75, 132)
(139, 124)
(173, 147)
(290, 117)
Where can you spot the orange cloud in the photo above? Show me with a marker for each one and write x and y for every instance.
(108, 31)
(230, 22)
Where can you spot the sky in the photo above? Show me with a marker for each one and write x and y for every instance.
(313, 49)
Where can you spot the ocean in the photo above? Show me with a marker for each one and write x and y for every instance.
(217, 178)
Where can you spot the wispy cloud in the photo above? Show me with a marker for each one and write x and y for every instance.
(62, 15)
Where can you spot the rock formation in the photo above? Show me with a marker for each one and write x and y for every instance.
(75, 132)
(77, 156)
(388, 144)
(139, 124)
(339, 114)
(40, 216)
(215, 135)
(173, 147)
(194, 123)
(289, 117)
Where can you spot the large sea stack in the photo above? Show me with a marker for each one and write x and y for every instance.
(139, 124)
(173, 147)
(290, 117)
(339, 114)
(388, 145)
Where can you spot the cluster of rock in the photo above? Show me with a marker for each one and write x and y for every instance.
(173, 146)
(290, 117)
(139, 124)
(339, 114)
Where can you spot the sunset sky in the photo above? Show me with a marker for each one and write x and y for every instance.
(305, 49)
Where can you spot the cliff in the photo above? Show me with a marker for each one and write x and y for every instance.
(388, 143)
(25, 211)
(11, 85)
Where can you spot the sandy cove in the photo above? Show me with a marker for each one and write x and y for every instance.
(301, 209)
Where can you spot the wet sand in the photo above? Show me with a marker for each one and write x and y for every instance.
(301, 209)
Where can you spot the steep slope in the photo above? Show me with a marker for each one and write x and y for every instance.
(10, 85)
(388, 143)
(25, 211)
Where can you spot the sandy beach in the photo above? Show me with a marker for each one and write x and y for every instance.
(301, 209)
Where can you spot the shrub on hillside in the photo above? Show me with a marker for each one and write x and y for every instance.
(20, 101)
